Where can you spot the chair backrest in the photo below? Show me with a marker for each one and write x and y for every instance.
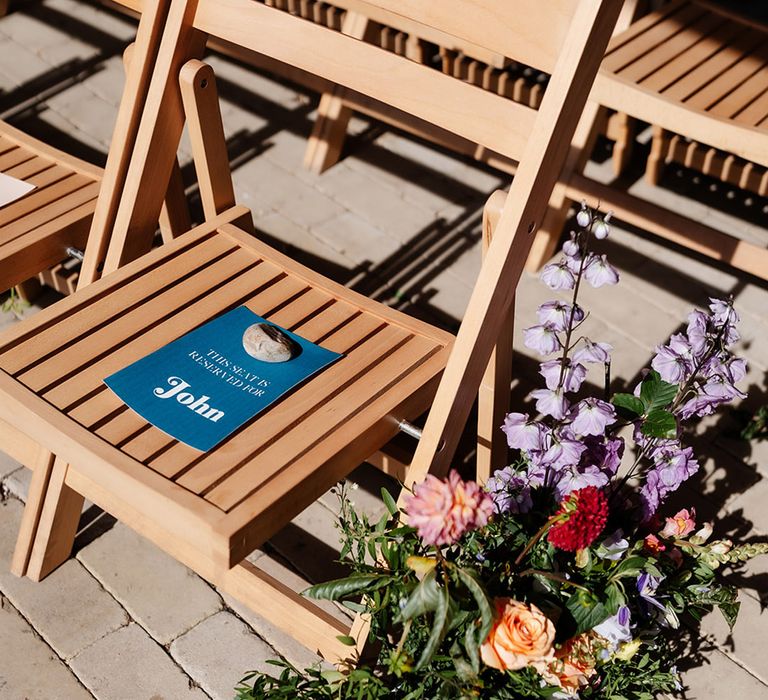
(565, 38)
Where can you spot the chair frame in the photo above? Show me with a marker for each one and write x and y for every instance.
(86, 465)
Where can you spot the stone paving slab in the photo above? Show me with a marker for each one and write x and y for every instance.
(149, 584)
(128, 664)
(69, 609)
(219, 652)
(29, 669)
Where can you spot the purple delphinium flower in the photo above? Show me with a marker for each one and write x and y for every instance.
(558, 314)
(550, 402)
(671, 366)
(523, 434)
(558, 276)
(574, 478)
(723, 312)
(542, 338)
(646, 588)
(603, 453)
(573, 376)
(616, 629)
(510, 491)
(598, 271)
(561, 452)
(697, 332)
(591, 416)
(673, 464)
(593, 352)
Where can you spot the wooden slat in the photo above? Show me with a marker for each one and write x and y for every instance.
(210, 468)
(40, 149)
(42, 215)
(34, 166)
(638, 45)
(526, 30)
(671, 48)
(692, 57)
(80, 321)
(378, 378)
(734, 76)
(460, 108)
(741, 97)
(44, 194)
(12, 158)
(640, 26)
(755, 113)
(713, 67)
(199, 306)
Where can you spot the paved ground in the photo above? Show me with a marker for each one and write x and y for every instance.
(399, 220)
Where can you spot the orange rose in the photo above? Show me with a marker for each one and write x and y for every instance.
(521, 635)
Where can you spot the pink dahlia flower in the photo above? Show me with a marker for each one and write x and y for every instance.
(442, 511)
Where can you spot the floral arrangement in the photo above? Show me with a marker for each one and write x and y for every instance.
(562, 576)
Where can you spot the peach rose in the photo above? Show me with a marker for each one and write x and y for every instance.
(521, 635)
(572, 666)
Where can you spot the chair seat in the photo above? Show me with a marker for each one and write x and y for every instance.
(36, 230)
(694, 69)
(230, 499)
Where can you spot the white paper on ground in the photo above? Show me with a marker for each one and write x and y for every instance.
(12, 189)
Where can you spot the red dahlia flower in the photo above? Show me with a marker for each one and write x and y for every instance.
(584, 514)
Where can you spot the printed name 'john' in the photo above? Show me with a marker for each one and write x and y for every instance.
(196, 404)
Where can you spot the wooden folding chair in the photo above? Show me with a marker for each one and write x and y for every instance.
(38, 230)
(696, 71)
(211, 509)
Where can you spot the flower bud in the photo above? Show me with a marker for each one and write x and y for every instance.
(583, 218)
(721, 547)
(601, 230)
(703, 534)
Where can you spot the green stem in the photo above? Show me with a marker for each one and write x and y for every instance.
(542, 531)
(553, 577)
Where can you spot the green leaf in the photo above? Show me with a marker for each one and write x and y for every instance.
(629, 403)
(614, 598)
(343, 587)
(389, 502)
(439, 626)
(346, 640)
(467, 577)
(631, 566)
(655, 393)
(425, 598)
(660, 424)
(473, 650)
(587, 610)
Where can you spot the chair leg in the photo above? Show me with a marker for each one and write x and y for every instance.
(56, 530)
(656, 158)
(622, 132)
(328, 133)
(493, 395)
(41, 474)
(330, 129)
